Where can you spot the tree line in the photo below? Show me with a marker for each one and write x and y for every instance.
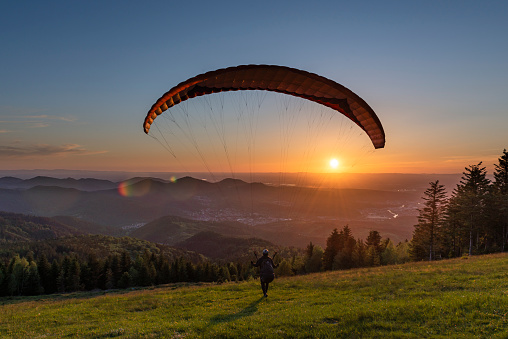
(69, 273)
(473, 219)
(343, 251)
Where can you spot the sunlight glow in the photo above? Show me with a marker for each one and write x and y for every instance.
(334, 163)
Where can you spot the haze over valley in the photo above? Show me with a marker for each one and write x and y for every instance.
(172, 211)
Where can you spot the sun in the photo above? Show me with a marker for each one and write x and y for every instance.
(334, 163)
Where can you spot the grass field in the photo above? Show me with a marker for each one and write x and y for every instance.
(460, 298)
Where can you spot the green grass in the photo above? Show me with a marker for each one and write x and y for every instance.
(460, 298)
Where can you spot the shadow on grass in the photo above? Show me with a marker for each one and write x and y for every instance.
(247, 311)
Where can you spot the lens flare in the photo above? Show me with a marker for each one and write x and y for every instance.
(134, 189)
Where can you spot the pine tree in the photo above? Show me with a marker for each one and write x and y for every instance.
(389, 254)
(110, 279)
(331, 250)
(55, 273)
(125, 261)
(32, 285)
(224, 275)
(74, 278)
(44, 268)
(501, 193)
(471, 196)
(426, 235)
(402, 252)
(347, 244)
(374, 240)
(3, 280)
(17, 273)
(314, 263)
(452, 236)
(360, 254)
(309, 250)
(373, 256)
(125, 280)
(95, 272)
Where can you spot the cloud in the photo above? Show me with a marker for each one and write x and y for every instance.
(4, 131)
(39, 125)
(34, 121)
(44, 150)
(50, 117)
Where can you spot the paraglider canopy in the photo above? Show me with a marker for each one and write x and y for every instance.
(279, 79)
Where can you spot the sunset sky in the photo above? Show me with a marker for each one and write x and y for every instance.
(77, 77)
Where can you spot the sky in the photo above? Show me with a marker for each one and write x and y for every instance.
(77, 77)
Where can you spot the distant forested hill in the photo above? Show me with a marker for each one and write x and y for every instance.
(82, 246)
(87, 226)
(18, 227)
(171, 230)
(87, 184)
(221, 247)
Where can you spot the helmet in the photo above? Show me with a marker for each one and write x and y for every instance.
(265, 252)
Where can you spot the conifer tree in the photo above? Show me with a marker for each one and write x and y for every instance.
(360, 254)
(110, 279)
(374, 240)
(314, 263)
(125, 280)
(453, 239)
(74, 278)
(501, 194)
(3, 280)
(55, 273)
(17, 273)
(44, 268)
(309, 250)
(331, 250)
(426, 235)
(373, 256)
(344, 257)
(95, 269)
(32, 286)
(471, 196)
(389, 254)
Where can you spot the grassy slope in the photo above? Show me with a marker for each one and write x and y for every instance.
(460, 298)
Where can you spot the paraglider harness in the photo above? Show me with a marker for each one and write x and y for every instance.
(266, 269)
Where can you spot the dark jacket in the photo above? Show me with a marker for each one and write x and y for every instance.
(265, 269)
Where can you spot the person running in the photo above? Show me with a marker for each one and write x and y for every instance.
(266, 270)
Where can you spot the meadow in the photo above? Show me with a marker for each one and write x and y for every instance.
(459, 298)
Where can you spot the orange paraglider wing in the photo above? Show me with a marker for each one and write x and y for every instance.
(279, 79)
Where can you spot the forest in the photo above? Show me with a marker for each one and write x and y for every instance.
(473, 219)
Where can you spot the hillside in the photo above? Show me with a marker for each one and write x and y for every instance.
(15, 227)
(100, 245)
(224, 248)
(459, 298)
(171, 230)
(18, 227)
(84, 184)
(86, 226)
